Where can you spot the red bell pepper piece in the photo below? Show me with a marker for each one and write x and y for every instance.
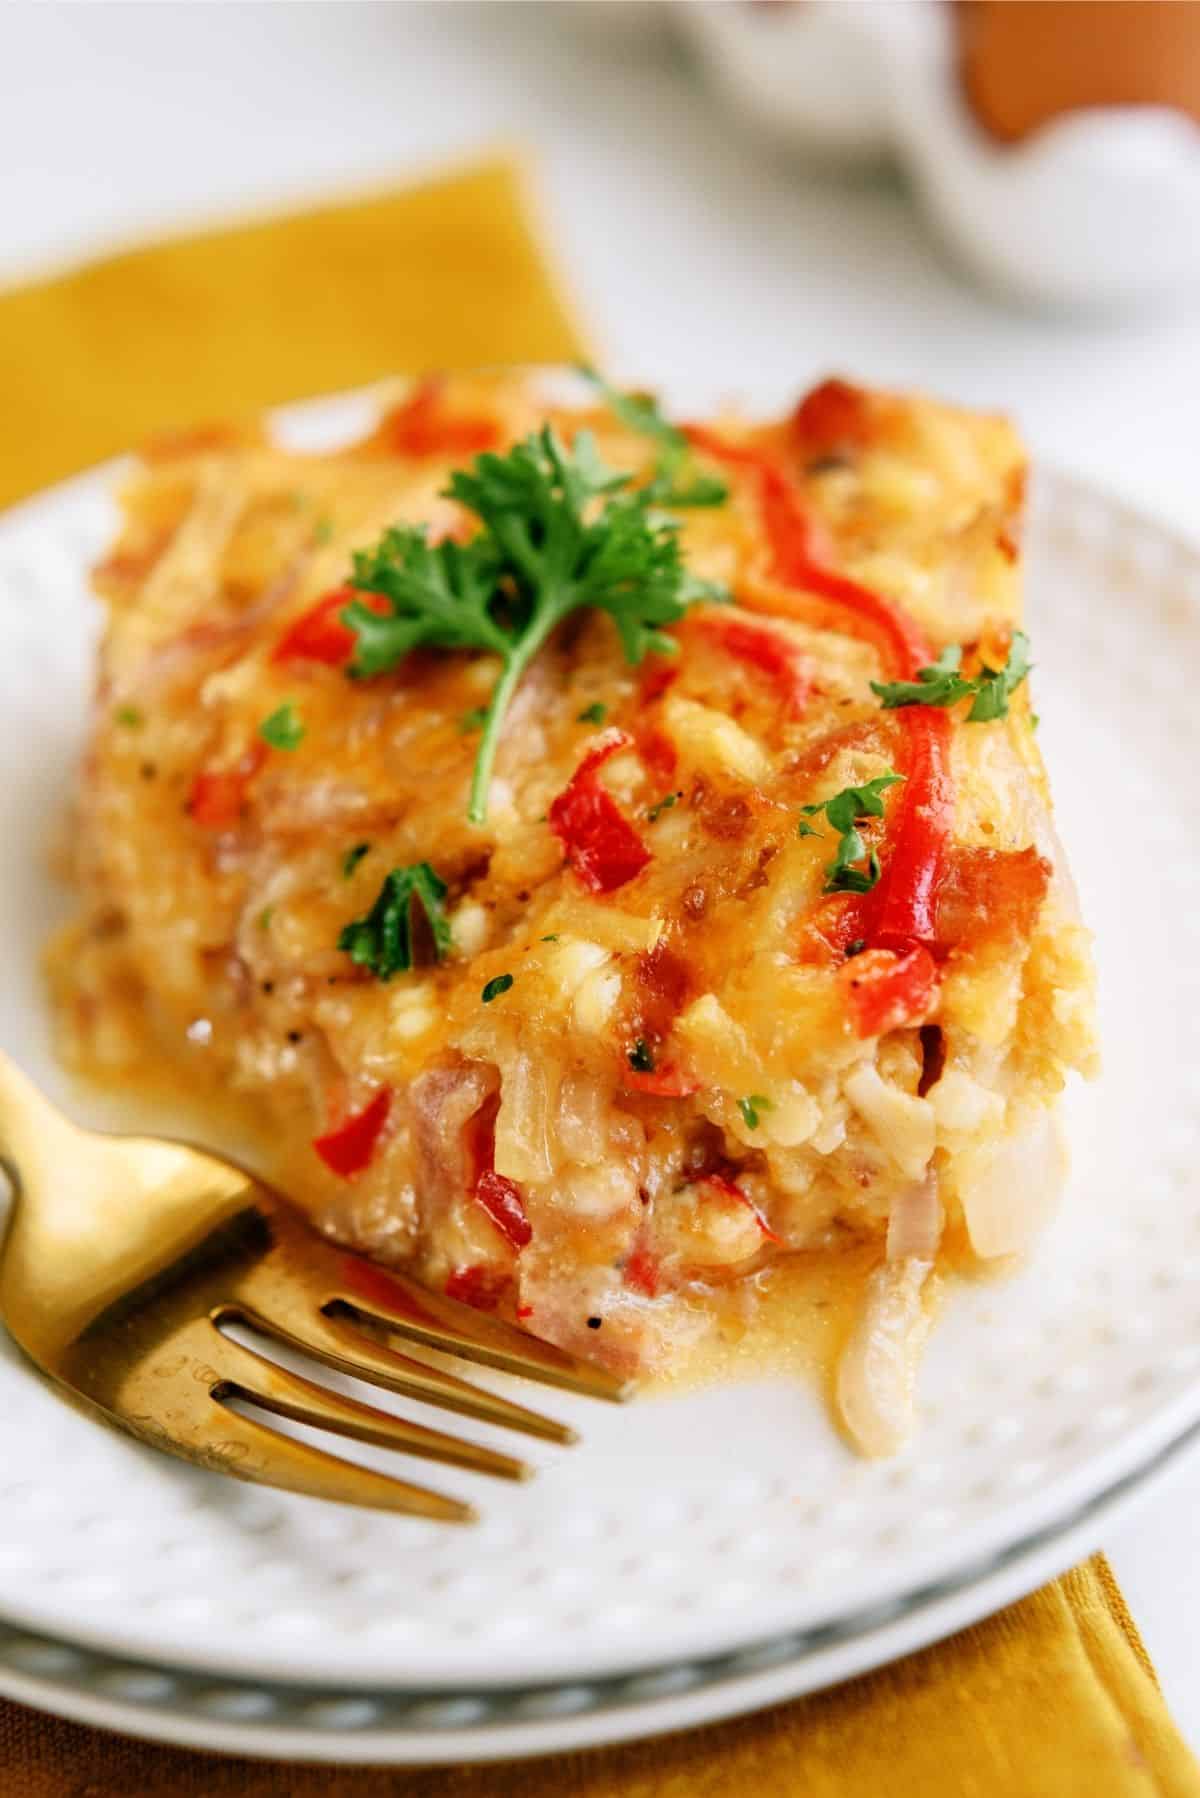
(217, 798)
(903, 907)
(787, 667)
(497, 1195)
(796, 561)
(218, 795)
(418, 427)
(602, 847)
(319, 635)
(501, 1199)
(798, 555)
(348, 1148)
(885, 991)
(655, 676)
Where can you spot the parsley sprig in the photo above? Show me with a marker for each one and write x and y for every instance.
(545, 549)
(942, 684)
(383, 939)
(677, 482)
(845, 811)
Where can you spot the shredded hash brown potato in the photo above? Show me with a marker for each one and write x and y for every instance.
(707, 1062)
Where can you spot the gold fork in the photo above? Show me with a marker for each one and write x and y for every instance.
(125, 1254)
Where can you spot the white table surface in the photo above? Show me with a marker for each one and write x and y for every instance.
(700, 261)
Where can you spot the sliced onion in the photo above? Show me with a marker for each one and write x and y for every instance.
(877, 1371)
(915, 1221)
(1051, 846)
(1009, 1191)
(526, 1143)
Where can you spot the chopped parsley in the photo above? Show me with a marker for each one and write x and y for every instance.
(129, 716)
(284, 729)
(475, 719)
(663, 805)
(942, 684)
(383, 940)
(676, 480)
(640, 1058)
(265, 916)
(544, 550)
(750, 1108)
(845, 811)
(856, 947)
(352, 858)
(550, 939)
(593, 714)
(495, 987)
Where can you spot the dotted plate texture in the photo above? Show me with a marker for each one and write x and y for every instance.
(699, 1524)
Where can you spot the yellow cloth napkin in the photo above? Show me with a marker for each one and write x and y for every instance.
(1054, 1697)
(221, 324)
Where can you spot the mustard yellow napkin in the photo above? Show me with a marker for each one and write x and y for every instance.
(1054, 1697)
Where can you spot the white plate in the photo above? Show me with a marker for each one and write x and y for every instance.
(690, 1527)
(406, 1727)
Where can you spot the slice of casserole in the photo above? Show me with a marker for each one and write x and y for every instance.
(615, 858)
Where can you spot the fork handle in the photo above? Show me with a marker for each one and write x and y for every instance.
(29, 1125)
(94, 1215)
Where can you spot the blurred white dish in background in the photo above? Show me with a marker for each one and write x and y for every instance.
(1095, 211)
(809, 76)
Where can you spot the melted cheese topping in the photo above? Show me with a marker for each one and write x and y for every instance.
(767, 1125)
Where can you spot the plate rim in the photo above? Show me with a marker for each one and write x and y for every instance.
(736, 1692)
